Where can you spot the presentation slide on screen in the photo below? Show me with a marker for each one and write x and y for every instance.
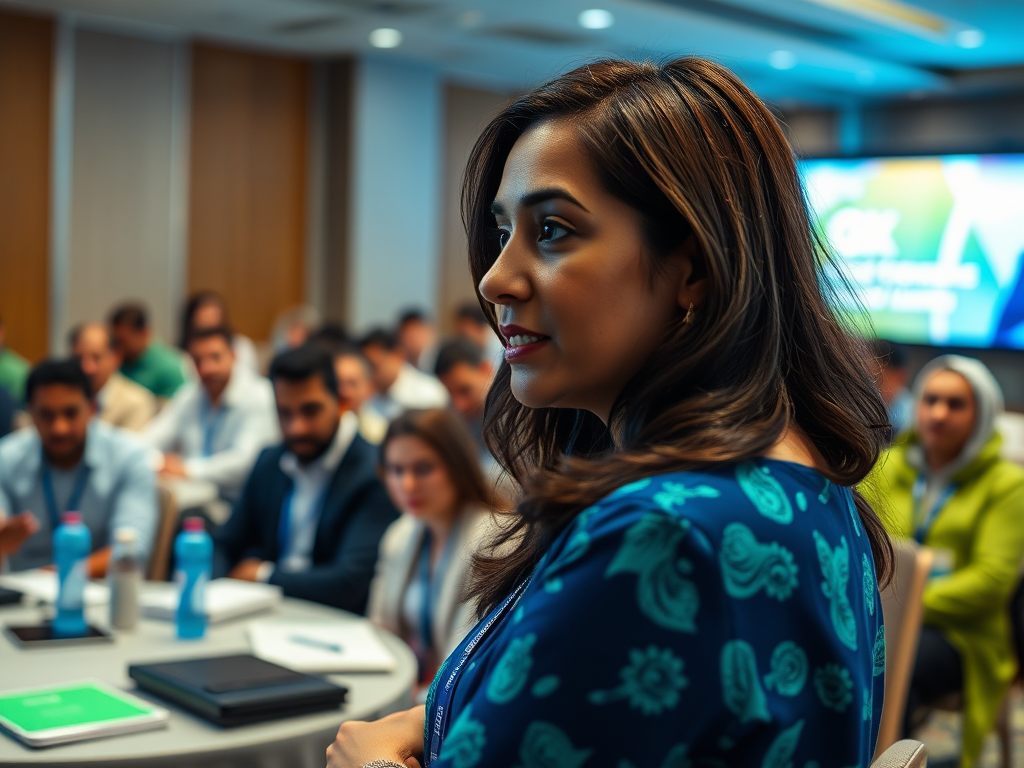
(935, 245)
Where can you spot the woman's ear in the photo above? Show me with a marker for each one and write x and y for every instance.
(693, 273)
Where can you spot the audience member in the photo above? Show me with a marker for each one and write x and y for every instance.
(145, 360)
(400, 386)
(467, 376)
(945, 485)
(70, 462)
(119, 400)
(7, 410)
(891, 361)
(207, 309)
(429, 465)
(215, 428)
(471, 324)
(331, 335)
(313, 510)
(13, 368)
(417, 339)
(293, 327)
(355, 387)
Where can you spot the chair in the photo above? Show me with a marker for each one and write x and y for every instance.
(902, 610)
(167, 526)
(903, 754)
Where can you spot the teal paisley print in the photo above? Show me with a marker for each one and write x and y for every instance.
(545, 745)
(512, 671)
(834, 686)
(765, 492)
(869, 583)
(835, 568)
(780, 753)
(545, 686)
(801, 501)
(867, 706)
(575, 548)
(748, 566)
(878, 652)
(664, 591)
(651, 682)
(674, 495)
(630, 488)
(788, 669)
(465, 743)
(741, 685)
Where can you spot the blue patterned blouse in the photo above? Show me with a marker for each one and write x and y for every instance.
(721, 618)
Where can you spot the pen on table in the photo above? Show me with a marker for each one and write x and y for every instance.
(312, 642)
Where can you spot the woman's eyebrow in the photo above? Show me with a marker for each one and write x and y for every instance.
(538, 197)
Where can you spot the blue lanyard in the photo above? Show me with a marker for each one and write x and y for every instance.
(924, 524)
(439, 710)
(74, 500)
(211, 422)
(431, 587)
(284, 524)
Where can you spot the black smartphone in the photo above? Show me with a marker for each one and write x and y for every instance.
(43, 636)
(9, 596)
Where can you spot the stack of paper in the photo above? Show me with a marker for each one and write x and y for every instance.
(321, 647)
(41, 585)
(225, 599)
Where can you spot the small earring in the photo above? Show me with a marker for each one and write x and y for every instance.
(689, 315)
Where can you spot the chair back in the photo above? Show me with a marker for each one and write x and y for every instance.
(166, 527)
(903, 754)
(902, 610)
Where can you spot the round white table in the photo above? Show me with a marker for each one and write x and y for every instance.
(189, 740)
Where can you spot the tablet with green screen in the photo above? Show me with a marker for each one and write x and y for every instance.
(58, 714)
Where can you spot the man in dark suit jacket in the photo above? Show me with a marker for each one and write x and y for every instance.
(313, 511)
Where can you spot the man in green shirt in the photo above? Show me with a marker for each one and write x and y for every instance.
(146, 362)
(13, 368)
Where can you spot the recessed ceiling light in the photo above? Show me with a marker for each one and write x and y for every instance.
(385, 37)
(970, 38)
(782, 59)
(596, 18)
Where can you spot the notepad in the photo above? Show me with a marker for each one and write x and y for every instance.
(321, 647)
(59, 714)
(225, 599)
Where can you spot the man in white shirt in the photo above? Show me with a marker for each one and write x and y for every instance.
(356, 389)
(215, 428)
(119, 400)
(400, 386)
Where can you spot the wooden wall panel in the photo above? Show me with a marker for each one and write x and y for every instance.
(248, 182)
(26, 55)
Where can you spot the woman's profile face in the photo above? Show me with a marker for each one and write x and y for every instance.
(579, 312)
(418, 481)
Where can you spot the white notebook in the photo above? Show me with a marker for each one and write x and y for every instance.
(41, 585)
(321, 647)
(225, 599)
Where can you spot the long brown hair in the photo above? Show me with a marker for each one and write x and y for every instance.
(445, 433)
(697, 154)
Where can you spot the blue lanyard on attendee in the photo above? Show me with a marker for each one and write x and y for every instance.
(444, 690)
(210, 421)
(284, 525)
(924, 523)
(431, 587)
(74, 499)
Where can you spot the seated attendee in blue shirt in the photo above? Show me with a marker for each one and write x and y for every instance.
(313, 511)
(70, 462)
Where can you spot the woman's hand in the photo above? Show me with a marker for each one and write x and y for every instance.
(397, 737)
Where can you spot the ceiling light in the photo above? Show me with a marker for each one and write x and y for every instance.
(385, 37)
(970, 38)
(596, 18)
(782, 59)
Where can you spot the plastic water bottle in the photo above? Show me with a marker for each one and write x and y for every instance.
(193, 553)
(125, 578)
(72, 544)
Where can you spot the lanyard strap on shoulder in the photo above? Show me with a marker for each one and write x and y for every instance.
(430, 585)
(923, 522)
(53, 512)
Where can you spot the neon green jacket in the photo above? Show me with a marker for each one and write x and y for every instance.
(982, 527)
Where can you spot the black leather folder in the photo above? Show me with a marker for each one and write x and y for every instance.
(237, 690)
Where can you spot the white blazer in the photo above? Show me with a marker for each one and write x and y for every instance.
(399, 551)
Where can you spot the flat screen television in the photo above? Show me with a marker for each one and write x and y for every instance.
(934, 245)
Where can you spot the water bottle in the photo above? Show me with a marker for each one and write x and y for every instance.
(193, 553)
(125, 578)
(72, 544)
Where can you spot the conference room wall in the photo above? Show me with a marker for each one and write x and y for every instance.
(123, 240)
(26, 51)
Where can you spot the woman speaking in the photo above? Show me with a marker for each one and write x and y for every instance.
(691, 580)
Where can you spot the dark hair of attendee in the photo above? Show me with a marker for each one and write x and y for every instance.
(471, 312)
(213, 332)
(446, 433)
(331, 335)
(455, 351)
(57, 371)
(412, 315)
(303, 363)
(132, 314)
(380, 337)
(196, 302)
(695, 153)
(889, 354)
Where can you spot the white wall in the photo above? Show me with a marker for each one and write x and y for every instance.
(396, 185)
